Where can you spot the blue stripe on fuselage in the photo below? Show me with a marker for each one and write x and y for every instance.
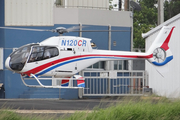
(70, 61)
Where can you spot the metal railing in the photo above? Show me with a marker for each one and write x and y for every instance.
(89, 4)
(85, 7)
(114, 83)
(92, 4)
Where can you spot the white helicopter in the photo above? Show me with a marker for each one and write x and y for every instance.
(65, 56)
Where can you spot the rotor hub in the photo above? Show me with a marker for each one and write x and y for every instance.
(159, 55)
(61, 30)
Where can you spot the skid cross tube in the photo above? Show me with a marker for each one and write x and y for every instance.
(45, 86)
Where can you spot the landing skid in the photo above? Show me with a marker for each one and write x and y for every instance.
(45, 86)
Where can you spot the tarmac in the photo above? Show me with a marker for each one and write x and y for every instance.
(54, 106)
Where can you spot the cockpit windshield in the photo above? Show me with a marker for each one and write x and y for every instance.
(19, 57)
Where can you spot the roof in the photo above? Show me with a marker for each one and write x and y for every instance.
(166, 23)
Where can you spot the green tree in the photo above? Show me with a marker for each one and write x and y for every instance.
(111, 6)
(171, 8)
(146, 19)
(143, 21)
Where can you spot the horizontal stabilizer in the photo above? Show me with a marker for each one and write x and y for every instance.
(65, 82)
(80, 81)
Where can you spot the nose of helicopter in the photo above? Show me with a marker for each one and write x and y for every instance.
(7, 63)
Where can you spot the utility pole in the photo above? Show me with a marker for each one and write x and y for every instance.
(120, 3)
(126, 5)
(160, 12)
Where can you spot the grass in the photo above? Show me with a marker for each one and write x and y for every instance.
(149, 108)
(7, 114)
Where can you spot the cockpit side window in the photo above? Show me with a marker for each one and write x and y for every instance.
(42, 53)
(37, 54)
(50, 52)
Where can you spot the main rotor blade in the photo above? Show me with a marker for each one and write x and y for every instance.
(24, 29)
(101, 31)
(72, 29)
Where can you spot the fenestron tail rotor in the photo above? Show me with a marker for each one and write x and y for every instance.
(159, 55)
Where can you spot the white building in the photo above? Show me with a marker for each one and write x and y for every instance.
(169, 85)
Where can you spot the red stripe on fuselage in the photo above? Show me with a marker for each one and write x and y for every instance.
(40, 68)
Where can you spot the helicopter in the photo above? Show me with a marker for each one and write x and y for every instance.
(64, 56)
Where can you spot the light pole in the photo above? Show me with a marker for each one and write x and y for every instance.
(160, 12)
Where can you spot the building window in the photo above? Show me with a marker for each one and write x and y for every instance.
(114, 43)
(98, 65)
(121, 65)
(59, 3)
